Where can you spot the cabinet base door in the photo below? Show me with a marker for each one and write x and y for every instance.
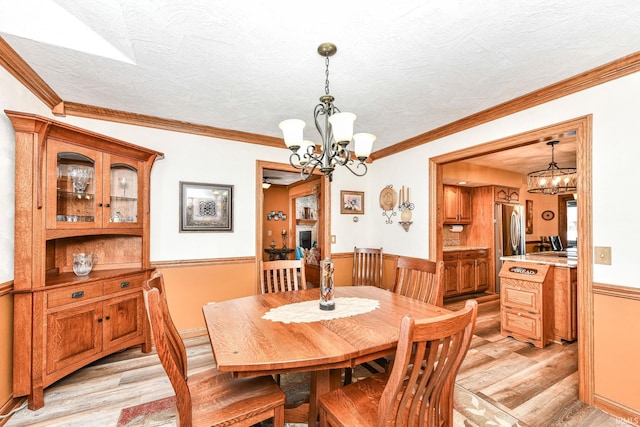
(73, 335)
(124, 319)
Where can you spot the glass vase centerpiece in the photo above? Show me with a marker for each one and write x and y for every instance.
(326, 285)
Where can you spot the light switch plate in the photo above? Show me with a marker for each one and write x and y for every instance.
(333, 238)
(602, 255)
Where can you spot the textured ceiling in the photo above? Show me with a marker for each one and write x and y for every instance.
(403, 67)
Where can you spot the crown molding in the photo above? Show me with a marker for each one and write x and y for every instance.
(10, 60)
(613, 70)
(19, 69)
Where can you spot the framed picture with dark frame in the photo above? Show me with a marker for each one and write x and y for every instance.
(206, 207)
(529, 217)
(352, 202)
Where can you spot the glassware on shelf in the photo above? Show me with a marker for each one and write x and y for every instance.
(123, 183)
(80, 178)
(83, 263)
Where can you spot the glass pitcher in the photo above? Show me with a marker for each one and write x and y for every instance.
(83, 263)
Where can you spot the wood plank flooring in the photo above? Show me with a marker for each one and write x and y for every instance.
(537, 386)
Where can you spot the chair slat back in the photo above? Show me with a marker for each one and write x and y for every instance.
(367, 267)
(421, 279)
(419, 391)
(169, 344)
(282, 275)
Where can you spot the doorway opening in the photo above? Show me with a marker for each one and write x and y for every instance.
(298, 213)
(582, 128)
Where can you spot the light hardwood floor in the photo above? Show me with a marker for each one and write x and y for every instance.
(537, 386)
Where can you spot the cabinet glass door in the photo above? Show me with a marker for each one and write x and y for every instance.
(76, 188)
(123, 204)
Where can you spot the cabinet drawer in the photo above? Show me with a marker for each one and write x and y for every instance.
(522, 297)
(73, 294)
(450, 256)
(522, 324)
(122, 284)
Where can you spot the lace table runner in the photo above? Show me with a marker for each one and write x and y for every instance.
(309, 311)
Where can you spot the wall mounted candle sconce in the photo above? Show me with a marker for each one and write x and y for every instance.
(405, 207)
(387, 203)
(276, 216)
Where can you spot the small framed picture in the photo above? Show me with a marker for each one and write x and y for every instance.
(352, 202)
(529, 217)
(206, 207)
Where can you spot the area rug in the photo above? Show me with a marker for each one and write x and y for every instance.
(470, 410)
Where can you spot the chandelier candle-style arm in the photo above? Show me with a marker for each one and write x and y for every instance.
(336, 132)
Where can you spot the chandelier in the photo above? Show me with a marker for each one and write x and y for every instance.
(336, 131)
(553, 180)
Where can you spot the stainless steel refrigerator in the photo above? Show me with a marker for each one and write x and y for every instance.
(509, 234)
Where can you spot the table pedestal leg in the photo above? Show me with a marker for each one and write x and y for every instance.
(321, 382)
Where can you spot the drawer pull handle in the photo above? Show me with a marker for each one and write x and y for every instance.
(519, 314)
(124, 285)
(78, 294)
(100, 320)
(108, 317)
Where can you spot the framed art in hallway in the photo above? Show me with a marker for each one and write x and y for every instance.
(206, 207)
(352, 202)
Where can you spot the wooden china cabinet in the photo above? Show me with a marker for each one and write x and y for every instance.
(76, 192)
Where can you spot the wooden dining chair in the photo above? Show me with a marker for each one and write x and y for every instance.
(282, 275)
(419, 389)
(416, 278)
(367, 267)
(420, 279)
(208, 397)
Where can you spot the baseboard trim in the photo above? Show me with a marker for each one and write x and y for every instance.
(8, 407)
(615, 409)
(195, 332)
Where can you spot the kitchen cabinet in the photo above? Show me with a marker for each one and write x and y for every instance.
(565, 283)
(465, 271)
(506, 194)
(76, 192)
(457, 205)
(526, 302)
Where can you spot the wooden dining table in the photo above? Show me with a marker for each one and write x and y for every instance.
(246, 344)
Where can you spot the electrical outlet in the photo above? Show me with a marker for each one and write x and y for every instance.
(602, 255)
(269, 233)
(333, 238)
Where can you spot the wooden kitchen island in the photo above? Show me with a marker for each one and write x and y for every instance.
(538, 297)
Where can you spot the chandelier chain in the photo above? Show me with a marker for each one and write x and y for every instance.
(326, 73)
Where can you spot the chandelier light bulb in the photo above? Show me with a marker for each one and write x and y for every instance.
(342, 127)
(292, 132)
(363, 144)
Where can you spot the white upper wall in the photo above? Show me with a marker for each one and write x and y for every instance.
(13, 96)
(616, 174)
(614, 106)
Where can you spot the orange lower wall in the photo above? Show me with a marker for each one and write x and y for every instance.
(617, 349)
(6, 348)
(189, 287)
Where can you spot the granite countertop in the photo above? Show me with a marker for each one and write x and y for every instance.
(462, 248)
(550, 258)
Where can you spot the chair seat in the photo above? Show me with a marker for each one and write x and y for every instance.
(231, 400)
(357, 402)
